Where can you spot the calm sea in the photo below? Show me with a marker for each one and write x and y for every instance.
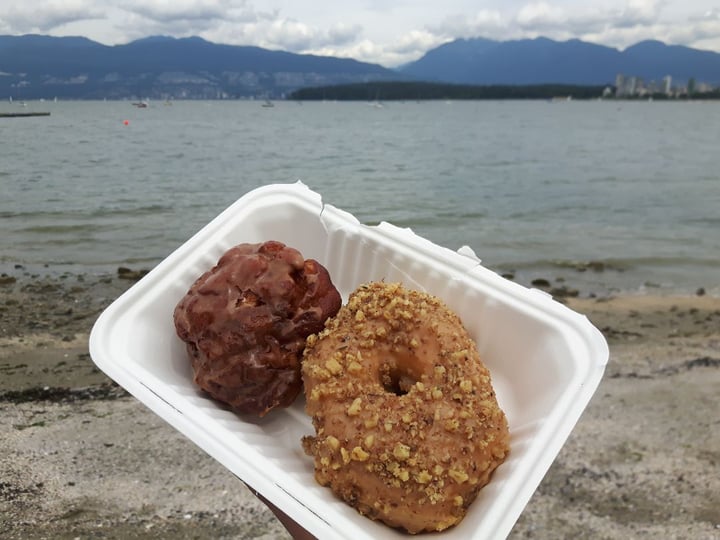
(539, 189)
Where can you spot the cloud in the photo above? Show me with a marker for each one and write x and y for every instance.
(617, 25)
(538, 17)
(414, 42)
(532, 19)
(407, 47)
(389, 33)
(702, 31)
(234, 22)
(343, 33)
(290, 35)
(182, 18)
(639, 20)
(636, 13)
(45, 15)
(403, 49)
(486, 23)
(173, 10)
(541, 15)
(284, 34)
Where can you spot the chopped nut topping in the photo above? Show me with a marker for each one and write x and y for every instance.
(372, 421)
(355, 407)
(333, 366)
(423, 477)
(358, 454)
(459, 355)
(399, 472)
(354, 367)
(458, 476)
(401, 451)
(452, 424)
(332, 442)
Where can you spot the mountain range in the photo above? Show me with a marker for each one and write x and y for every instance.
(160, 67)
(542, 60)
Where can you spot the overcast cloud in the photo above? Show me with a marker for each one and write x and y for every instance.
(382, 31)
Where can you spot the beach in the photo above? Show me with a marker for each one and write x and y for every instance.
(81, 458)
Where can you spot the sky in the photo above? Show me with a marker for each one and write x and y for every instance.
(386, 32)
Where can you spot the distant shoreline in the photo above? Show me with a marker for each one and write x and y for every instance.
(381, 91)
(424, 91)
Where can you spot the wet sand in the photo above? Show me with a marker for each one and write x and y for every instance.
(80, 458)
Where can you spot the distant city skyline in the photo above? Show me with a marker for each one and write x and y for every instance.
(389, 33)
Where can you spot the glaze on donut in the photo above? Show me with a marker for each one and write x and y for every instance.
(408, 428)
(245, 321)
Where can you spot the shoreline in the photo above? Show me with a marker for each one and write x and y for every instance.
(80, 457)
(592, 278)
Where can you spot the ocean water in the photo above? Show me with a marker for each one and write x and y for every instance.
(598, 196)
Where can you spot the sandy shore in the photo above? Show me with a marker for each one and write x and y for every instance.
(79, 458)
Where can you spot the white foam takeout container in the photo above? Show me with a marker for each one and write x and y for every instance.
(546, 361)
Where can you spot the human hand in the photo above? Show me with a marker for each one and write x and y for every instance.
(292, 526)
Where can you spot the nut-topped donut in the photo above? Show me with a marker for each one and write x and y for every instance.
(245, 321)
(408, 428)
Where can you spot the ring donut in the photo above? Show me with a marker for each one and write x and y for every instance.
(408, 428)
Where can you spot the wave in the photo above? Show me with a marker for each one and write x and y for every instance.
(437, 220)
(139, 211)
(612, 264)
(708, 220)
(75, 229)
(88, 213)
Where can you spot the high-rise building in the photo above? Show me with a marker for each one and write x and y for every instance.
(619, 85)
(667, 84)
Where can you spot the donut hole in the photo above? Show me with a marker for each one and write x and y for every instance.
(398, 382)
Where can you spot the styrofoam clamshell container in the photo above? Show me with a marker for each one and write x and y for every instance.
(545, 360)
